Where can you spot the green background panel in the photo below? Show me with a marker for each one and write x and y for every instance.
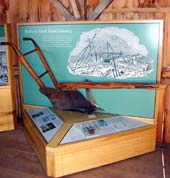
(134, 102)
(2, 31)
(50, 39)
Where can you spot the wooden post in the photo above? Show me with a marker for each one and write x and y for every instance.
(160, 114)
(167, 116)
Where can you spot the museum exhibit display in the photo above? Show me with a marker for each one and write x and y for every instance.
(88, 87)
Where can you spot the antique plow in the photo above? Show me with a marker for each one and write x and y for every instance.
(65, 96)
(60, 99)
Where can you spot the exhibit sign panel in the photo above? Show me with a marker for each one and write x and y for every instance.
(97, 52)
(3, 60)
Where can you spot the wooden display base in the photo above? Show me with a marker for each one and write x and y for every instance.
(63, 159)
(7, 122)
(7, 113)
(7, 83)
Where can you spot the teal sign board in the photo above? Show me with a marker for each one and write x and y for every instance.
(2, 32)
(98, 52)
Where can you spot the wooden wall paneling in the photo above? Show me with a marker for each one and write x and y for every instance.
(4, 11)
(166, 62)
(167, 40)
(146, 15)
(160, 104)
(91, 5)
(129, 3)
(63, 10)
(55, 15)
(130, 16)
(13, 18)
(46, 12)
(119, 4)
(141, 2)
(158, 15)
(43, 11)
(136, 16)
(23, 10)
(135, 13)
(33, 13)
(135, 3)
(75, 9)
(66, 3)
(99, 9)
(166, 74)
(81, 4)
(147, 3)
(119, 16)
(142, 15)
(132, 3)
(167, 115)
(163, 3)
(107, 16)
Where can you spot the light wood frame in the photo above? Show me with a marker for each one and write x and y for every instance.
(7, 92)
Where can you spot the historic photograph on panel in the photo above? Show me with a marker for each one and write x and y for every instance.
(3, 65)
(110, 52)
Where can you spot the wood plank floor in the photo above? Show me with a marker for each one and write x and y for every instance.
(18, 160)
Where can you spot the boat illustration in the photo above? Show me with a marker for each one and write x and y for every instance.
(108, 62)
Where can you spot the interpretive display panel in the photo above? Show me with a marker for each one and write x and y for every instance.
(97, 52)
(47, 122)
(100, 127)
(3, 59)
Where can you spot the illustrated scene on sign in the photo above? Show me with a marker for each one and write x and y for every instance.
(110, 52)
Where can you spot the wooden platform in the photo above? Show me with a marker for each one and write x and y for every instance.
(59, 160)
(7, 114)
